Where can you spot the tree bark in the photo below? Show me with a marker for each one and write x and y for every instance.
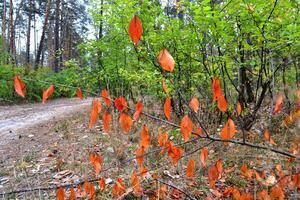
(28, 33)
(4, 27)
(41, 44)
(56, 37)
(12, 33)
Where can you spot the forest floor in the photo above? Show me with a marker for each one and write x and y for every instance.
(48, 145)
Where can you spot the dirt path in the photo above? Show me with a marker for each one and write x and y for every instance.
(15, 119)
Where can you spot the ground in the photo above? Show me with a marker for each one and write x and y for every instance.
(48, 145)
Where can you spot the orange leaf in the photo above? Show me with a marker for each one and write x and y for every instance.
(137, 190)
(119, 188)
(139, 156)
(96, 108)
(203, 156)
(263, 195)
(106, 120)
(121, 104)
(174, 153)
(268, 137)
(246, 172)
(19, 86)
(79, 93)
(216, 88)
(162, 139)
(278, 104)
(90, 189)
(199, 131)
(105, 95)
(47, 93)
(145, 137)
(213, 176)
(222, 103)
(102, 184)
(229, 130)
(138, 110)
(166, 61)
(164, 86)
(190, 170)
(72, 194)
(96, 161)
(219, 166)
(246, 196)
(167, 108)
(176, 194)
(277, 192)
(238, 108)
(163, 192)
(186, 127)
(125, 122)
(60, 193)
(135, 29)
(194, 104)
(143, 171)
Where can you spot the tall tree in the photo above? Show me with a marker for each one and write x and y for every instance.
(12, 33)
(4, 26)
(41, 44)
(56, 36)
(28, 33)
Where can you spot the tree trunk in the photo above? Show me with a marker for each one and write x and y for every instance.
(12, 33)
(56, 37)
(4, 27)
(41, 44)
(28, 34)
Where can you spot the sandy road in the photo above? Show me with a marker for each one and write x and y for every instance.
(14, 119)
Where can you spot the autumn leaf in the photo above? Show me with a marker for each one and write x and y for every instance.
(198, 131)
(229, 130)
(219, 166)
(268, 137)
(167, 108)
(137, 190)
(163, 192)
(238, 108)
(145, 137)
(106, 121)
(96, 108)
(135, 29)
(216, 88)
(72, 194)
(47, 93)
(174, 153)
(119, 188)
(166, 61)
(139, 156)
(102, 184)
(222, 103)
(96, 161)
(263, 195)
(138, 110)
(19, 86)
(203, 156)
(79, 93)
(162, 139)
(121, 103)
(125, 122)
(278, 104)
(213, 176)
(60, 194)
(186, 127)
(246, 171)
(143, 171)
(190, 170)
(277, 192)
(90, 189)
(194, 104)
(105, 95)
(164, 86)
